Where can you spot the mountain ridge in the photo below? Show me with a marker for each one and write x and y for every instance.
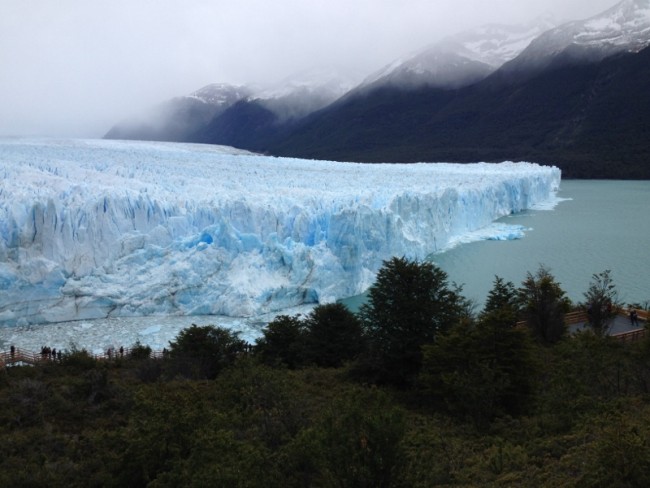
(562, 117)
(552, 103)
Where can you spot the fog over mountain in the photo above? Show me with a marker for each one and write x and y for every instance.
(75, 68)
(463, 58)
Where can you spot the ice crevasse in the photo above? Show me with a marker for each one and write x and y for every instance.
(92, 228)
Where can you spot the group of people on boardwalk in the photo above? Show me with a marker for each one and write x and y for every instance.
(111, 353)
(50, 353)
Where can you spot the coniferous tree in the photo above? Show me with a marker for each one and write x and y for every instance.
(203, 351)
(502, 297)
(601, 302)
(333, 335)
(544, 305)
(409, 304)
(282, 342)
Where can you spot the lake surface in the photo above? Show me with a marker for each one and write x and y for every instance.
(602, 225)
(599, 225)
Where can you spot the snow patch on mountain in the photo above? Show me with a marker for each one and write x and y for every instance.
(329, 81)
(461, 59)
(622, 28)
(626, 25)
(495, 44)
(220, 94)
(304, 92)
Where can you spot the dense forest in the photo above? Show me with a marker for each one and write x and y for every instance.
(418, 389)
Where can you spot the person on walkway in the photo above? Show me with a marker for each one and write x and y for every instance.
(634, 318)
(12, 350)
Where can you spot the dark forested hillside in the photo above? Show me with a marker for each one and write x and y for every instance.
(590, 119)
(247, 125)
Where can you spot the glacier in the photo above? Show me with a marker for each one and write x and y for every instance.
(97, 229)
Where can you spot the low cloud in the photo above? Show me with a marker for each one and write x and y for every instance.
(74, 68)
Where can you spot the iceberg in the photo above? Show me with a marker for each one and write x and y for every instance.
(98, 229)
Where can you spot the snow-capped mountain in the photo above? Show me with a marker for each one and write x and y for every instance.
(187, 118)
(576, 97)
(220, 94)
(179, 118)
(304, 92)
(622, 28)
(330, 82)
(462, 59)
(273, 109)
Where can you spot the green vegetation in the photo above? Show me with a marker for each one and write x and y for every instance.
(329, 336)
(409, 305)
(415, 392)
(601, 302)
(544, 304)
(203, 352)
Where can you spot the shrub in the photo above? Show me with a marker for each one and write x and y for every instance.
(333, 335)
(202, 352)
(282, 342)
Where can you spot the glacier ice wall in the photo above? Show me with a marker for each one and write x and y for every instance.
(92, 229)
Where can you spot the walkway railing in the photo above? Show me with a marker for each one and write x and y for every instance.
(581, 317)
(578, 317)
(570, 318)
(633, 335)
(23, 356)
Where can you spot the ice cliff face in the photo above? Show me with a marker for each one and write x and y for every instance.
(92, 229)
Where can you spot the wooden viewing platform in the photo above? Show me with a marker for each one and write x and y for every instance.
(620, 327)
(23, 356)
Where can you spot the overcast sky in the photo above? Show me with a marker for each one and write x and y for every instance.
(75, 67)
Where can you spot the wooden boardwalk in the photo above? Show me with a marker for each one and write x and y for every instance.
(621, 327)
(24, 357)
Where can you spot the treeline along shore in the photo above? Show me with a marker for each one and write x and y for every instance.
(418, 389)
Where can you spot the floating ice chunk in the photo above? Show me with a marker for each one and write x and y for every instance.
(492, 232)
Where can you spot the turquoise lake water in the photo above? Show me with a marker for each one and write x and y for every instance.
(602, 225)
